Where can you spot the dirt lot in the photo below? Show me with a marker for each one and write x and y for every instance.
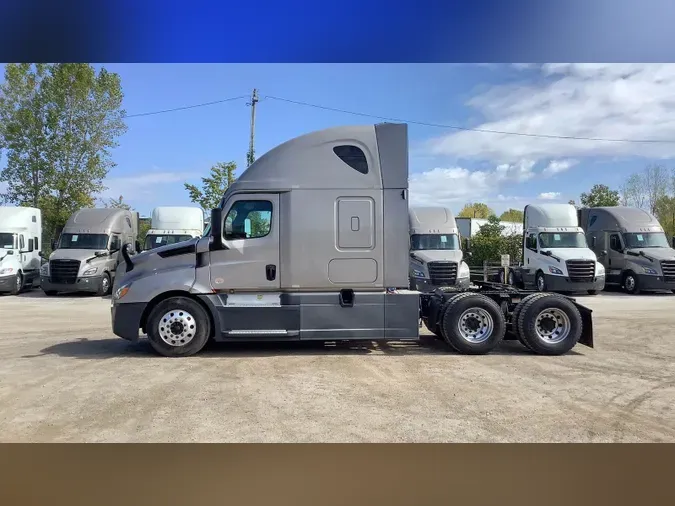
(65, 377)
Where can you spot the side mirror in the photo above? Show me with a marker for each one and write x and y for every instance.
(138, 247)
(41, 255)
(217, 228)
(469, 254)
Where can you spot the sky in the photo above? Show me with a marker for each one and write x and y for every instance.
(452, 167)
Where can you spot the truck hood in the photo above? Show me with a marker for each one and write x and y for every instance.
(571, 254)
(657, 254)
(73, 254)
(442, 255)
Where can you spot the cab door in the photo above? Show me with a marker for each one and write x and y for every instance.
(250, 261)
(529, 260)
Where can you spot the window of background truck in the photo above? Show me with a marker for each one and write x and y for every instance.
(259, 212)
(615, 242)
(646, 240)
(531, 242)
(421, 242)
(83, 241)
(22, 242)
(155, 241)
(562, 240)
(353, 156)
(6, 240)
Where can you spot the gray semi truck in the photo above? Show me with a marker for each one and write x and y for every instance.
(312, 243)
(87, 252)
(632, 246)
(436, 258)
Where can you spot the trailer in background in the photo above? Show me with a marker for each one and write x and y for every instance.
(172, 224)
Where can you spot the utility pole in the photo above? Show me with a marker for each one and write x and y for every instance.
(250, 156)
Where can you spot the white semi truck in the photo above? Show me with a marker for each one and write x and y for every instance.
(20, 238)
(556, 256)
(436, 258)
(312, 243)
(173, 224)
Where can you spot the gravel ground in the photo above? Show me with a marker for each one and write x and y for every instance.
(64, 377)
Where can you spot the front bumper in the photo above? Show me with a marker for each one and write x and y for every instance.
(84, 284)
(425, 285)
(126, 320)
(649, 282)
(564, 284)
(7, 283)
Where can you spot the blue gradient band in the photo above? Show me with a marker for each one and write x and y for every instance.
(345, 31)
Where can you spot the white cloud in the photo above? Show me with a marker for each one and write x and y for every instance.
(558, 166)
(549, 196)
(140, 185)
(615, 101)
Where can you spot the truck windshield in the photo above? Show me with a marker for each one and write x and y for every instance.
(646, 240)
(83, 241)
(6, 240)
(155, 241)
(562, 240)
(421, 242)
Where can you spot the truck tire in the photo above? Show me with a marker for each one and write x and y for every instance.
(18, 284)
(549, 324)
(540, 282)
(472, 324)
(630, 284)
(178, 327)
(105, 286)
(433, 329)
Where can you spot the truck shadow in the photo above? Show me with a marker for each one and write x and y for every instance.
(99, 349)
(39, 294)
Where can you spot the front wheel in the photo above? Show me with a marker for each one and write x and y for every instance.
(178, 327)
(631, 285)
(541, 282)
(104, 287)
(18, 284)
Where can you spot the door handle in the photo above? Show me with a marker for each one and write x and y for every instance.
(271, 272)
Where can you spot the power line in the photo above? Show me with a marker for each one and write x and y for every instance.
(205, 104)
(481, 130)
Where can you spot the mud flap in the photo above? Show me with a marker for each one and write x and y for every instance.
(587, 325)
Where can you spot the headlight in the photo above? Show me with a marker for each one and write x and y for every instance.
(44, 270)
(122, 291)
(464, 271)
(418, 274)
(600, 270)
(649, 270)
(554, 270)
(5, 271)
(90, 272)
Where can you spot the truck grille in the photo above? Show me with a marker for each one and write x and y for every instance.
(581, 271)
(64, 271)
(668, 268)
(443, 273)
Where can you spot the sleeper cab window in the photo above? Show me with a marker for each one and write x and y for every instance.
(352, 156)
(614, 242)
(248, 219)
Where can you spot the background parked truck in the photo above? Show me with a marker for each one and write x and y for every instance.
(556, 256)
(86, 254)
(312, 243)
(172, 224)
(20, 239)
(632, 246)
(436, 258)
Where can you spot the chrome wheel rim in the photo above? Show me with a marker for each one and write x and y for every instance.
(475, 325)
(630, 283)
(540, 283)
(105, 284)
(552, 325)
(18, 282)
(177, 327)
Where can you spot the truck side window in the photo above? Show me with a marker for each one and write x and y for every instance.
(115, 243)
(35, 243)
(248, 219)
(615, 242)
(531, 242)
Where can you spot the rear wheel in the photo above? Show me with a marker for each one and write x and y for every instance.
(433, 329)
(549, 324)
(472, 324)
(178, 327)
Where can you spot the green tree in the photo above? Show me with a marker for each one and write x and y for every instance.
(513, 215)
(59, 125)
(221, 176)
(477, 210)
(117, 203)
(665, 213)
(493, 228)
(600, 196)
